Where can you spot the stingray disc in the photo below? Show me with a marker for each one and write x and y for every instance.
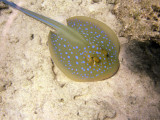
(94, 61)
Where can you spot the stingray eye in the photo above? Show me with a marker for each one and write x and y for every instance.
(93, 60)
(90, 59)
(96, 60)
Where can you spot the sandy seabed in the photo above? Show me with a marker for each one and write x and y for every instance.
(32, 88)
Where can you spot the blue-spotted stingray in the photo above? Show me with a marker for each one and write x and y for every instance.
(85, 50)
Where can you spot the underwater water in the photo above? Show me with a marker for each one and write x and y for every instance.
(32, 87)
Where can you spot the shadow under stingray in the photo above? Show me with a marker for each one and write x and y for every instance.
(144, 57)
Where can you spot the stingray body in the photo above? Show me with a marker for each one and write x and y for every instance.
(85, 50)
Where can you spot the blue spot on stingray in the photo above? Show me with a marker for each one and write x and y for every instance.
(97, 48)
(83, 62)
(76, 57)
(93, 46)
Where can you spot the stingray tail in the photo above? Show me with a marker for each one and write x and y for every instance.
(52, 23)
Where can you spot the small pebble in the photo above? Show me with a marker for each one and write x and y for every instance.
(111, 1)
(96, 1)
